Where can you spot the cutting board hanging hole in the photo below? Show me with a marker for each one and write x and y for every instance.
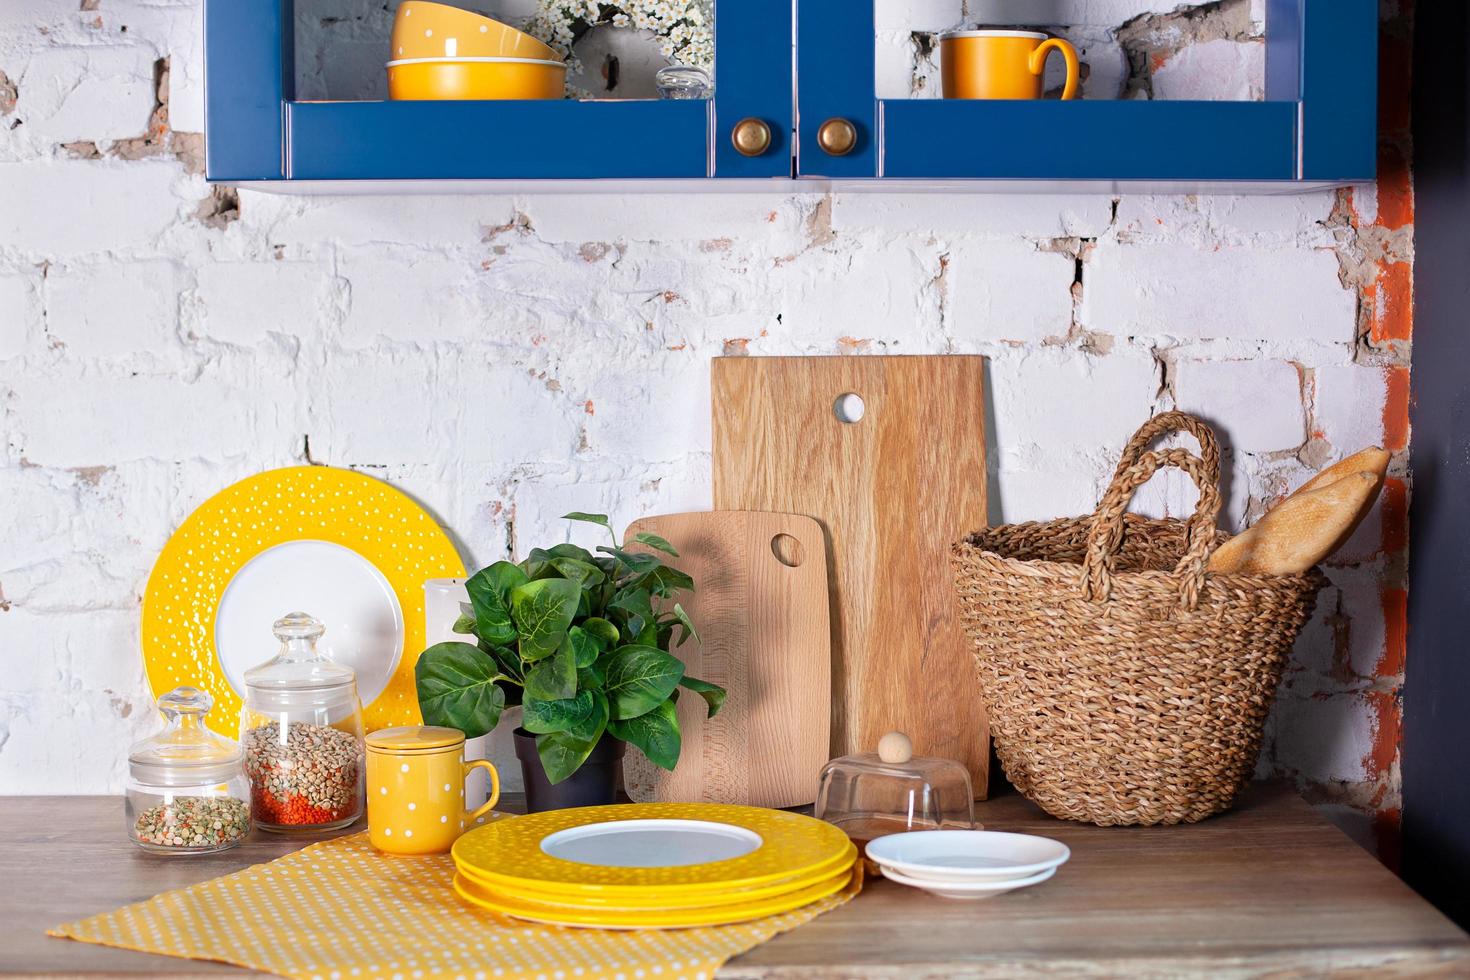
(787, 550)
(849, 407)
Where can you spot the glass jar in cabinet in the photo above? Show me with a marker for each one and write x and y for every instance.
(186, 790)
(301, 731)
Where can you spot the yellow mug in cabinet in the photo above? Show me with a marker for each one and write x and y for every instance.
(415, 789)
(435, 30)
(476, 78)
(1002, 64)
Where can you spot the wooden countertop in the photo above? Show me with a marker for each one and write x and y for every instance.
(1269, 889)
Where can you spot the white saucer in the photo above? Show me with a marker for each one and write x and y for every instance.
(966, 891)
(967, 855)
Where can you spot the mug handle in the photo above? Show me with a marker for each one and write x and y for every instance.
(494, 787)
(1074, 68)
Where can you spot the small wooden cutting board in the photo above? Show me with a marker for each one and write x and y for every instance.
(893, 489)
(761, 606)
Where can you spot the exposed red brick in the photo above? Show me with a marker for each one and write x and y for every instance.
(1396, 632)
(1396, 409)
(1387, 731)
(1395, 514)
(1392, 299)
(1395, 188)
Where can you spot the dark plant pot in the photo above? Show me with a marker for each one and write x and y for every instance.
(596, 783)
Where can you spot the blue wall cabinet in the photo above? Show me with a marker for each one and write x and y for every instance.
(1318, 122)
(255, 130)
(814, 116)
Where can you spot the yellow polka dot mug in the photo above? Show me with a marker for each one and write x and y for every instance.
(415, 789)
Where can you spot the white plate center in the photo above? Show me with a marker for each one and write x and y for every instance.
(336, 585)
(651, 843)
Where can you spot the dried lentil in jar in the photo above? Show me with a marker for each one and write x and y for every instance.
(310, 777)
(301, 729)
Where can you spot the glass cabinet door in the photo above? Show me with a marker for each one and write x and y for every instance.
(297, 90)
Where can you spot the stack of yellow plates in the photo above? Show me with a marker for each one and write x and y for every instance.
(652, 865)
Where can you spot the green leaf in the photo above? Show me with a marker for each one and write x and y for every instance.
(539, 648)
(571, 551)
(664, 581)
(655, 732)
(584, 648)
(585, 574)
(563, 753)
(578, 515)
(555, 677)
(638, 678)
(465, 626)
(635, 563)
(489, 591)
(604, 632)
(590, 729)
(688, 625)
(713, 694)
(507, 577)
(457, 688)
(590, 678)
(636, 606)
(510, 664)
(543, 609)
(546, 717)
(654, 541)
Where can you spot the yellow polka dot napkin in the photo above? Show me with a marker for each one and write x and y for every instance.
(339, 910)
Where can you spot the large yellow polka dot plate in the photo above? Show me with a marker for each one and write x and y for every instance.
(662, 899)
(350, 550)
(647, 918)
(648, 848)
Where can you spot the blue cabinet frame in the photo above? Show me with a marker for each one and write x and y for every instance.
(1318, 123)
(255, 130)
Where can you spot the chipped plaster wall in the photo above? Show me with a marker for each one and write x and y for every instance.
(508, 358)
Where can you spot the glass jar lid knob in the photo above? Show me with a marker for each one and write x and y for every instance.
(185, 706)
(298, 626)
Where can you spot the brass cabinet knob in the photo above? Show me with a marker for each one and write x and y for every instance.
(751, 137)
(837, 137)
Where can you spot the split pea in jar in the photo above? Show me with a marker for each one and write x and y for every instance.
(186, 791)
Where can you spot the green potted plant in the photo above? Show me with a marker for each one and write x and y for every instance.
(580, 641)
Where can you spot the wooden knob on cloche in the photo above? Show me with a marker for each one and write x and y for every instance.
(895, 748)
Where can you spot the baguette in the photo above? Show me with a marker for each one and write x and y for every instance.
(1309, 525)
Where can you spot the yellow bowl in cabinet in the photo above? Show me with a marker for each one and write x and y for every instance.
(435, 30)
(476, 78)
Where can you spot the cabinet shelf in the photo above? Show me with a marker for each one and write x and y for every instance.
(1317, 126)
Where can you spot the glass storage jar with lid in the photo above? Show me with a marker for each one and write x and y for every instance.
(301, 730)
(186, 790)
(873, 794)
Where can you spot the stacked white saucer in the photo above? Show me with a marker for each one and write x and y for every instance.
(967, 864)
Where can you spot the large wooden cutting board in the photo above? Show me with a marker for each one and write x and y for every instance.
(893, 491)
(760, 604)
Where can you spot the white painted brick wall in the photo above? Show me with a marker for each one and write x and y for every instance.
(508, 358)
(1255, 406)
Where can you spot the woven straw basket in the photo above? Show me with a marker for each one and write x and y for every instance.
(1124, 685)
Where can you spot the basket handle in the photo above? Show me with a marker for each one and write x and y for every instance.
(1164, 423)
(1106, 536)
